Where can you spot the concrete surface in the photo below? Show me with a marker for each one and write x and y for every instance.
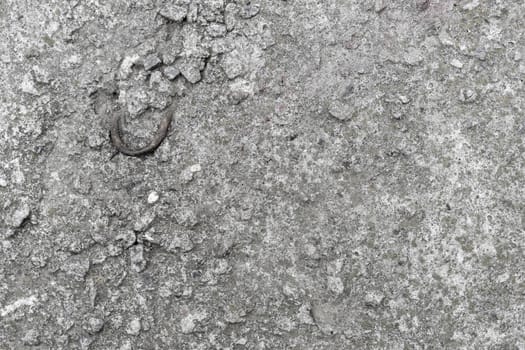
(339, 174)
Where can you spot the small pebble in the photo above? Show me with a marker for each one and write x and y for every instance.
(3, 182)
(171, 72)
(188, 173)
(127, 238)
(456, 63)
(9, 233)
(151, 62)
(467, 95)
(95, 140)
(304, 315)
(232, 65)
(341, 111)
(155, 78)
(153, 197)
(94, 325)
(471, 5)
(134, 326)
(190, 69)
(179, 87)
(397, 116)
(28, 85)
(20, 215)
(374, 298)
(144, 222)
(237, 96)
(379, 6)
(136, 255)
(445, 38)
(230, 12)
(195, 168)
(404, 100)
(127, 63)
(239, 91)
(174, 13)
(187, 324)
(241, 341)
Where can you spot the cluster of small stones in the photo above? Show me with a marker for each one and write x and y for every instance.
(196, 40)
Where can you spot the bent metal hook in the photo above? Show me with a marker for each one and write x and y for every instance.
(120, 145)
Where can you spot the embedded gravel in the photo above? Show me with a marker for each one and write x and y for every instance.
(342, 174)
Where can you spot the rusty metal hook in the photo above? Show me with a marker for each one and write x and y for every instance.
(120, 145)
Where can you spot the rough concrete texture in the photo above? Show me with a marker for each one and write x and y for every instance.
(339, 174)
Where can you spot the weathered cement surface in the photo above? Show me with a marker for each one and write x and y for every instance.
(341, 174)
